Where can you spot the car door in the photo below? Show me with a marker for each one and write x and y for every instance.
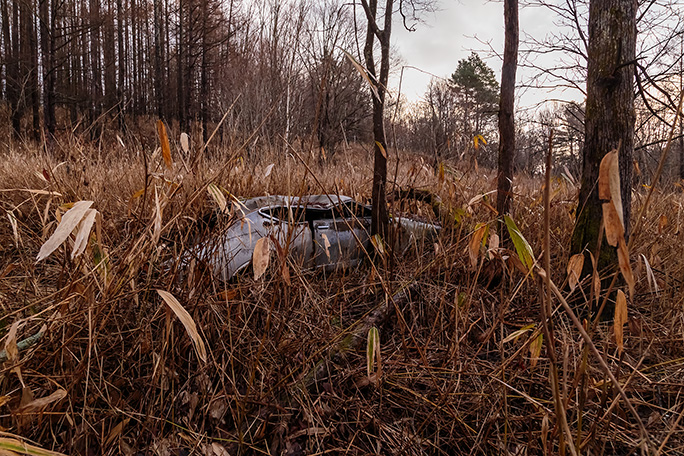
(338, 241)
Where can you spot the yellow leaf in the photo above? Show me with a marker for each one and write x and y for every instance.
(475, 243)
(535, 349)
(373, 355)
(165, 147)
(575, 265)
(218, 197)
(261, 257)
(620, 319)
(381, 149)
(17, 446)
(187, 321)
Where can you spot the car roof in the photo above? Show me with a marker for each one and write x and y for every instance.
(314, 201)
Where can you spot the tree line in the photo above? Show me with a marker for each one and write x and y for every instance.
(79, 65)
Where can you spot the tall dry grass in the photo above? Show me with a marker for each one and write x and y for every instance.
(463, 368)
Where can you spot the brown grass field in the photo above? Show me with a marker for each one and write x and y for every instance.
(464, 368)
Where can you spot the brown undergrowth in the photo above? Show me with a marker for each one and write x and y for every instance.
(464, 370)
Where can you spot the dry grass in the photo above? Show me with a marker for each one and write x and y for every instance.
(282, 376)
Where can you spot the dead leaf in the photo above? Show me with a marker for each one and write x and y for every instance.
(157, 218)
(575, 265)
(475, 243)
(662, 223)
(218, 197)
(116, 431)
(83, 233)
(11, 343)
(268, 170)
(219, 450)
(187, 321)
(38, 405)
(326, 245)
(381, 149)
(535, 349)
(165, 147)
(620, 319)
(612, 224)
(609, 182)
(261, 257)
(17, 446)
(69, 221)
(625, 266)
(185, 142)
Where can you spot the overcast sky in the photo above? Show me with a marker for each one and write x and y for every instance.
(458, 28)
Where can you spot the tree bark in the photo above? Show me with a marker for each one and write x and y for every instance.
(506, 109)
(47, 44)
(379, 217)
(609, 119)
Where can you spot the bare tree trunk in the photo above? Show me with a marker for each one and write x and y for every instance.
(158, 70)
(31, 54)
(506, 109)
(379, 217)
(14, 74)
(96, 74)
(609, 119)
(204, 70)
(47, 44)
(181, 62)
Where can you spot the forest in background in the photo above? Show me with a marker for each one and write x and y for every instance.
(99, 69)
(132, 131)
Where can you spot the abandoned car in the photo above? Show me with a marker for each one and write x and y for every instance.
(316, 231)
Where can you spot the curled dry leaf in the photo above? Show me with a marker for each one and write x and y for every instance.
(165, 147)
(612, 224)
(156, 233)
(373, 355)
(620, 319)
(475, 243)
(83, 233)
(15, 228)
(38, 405)
(326, 245)
(187, 321)
(11, 343)
(261, 257)
(69, 221)
(652, 283)
(535, 349)
(363, 73)
(575, 265)
(625, 266)
(185, 142)
(494, 242)
(218, 197)
(268, 170)
(662, 223)
(609, 182)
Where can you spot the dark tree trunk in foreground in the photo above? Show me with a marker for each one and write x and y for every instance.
(379, 219)
(609, 119)
(506, 109)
